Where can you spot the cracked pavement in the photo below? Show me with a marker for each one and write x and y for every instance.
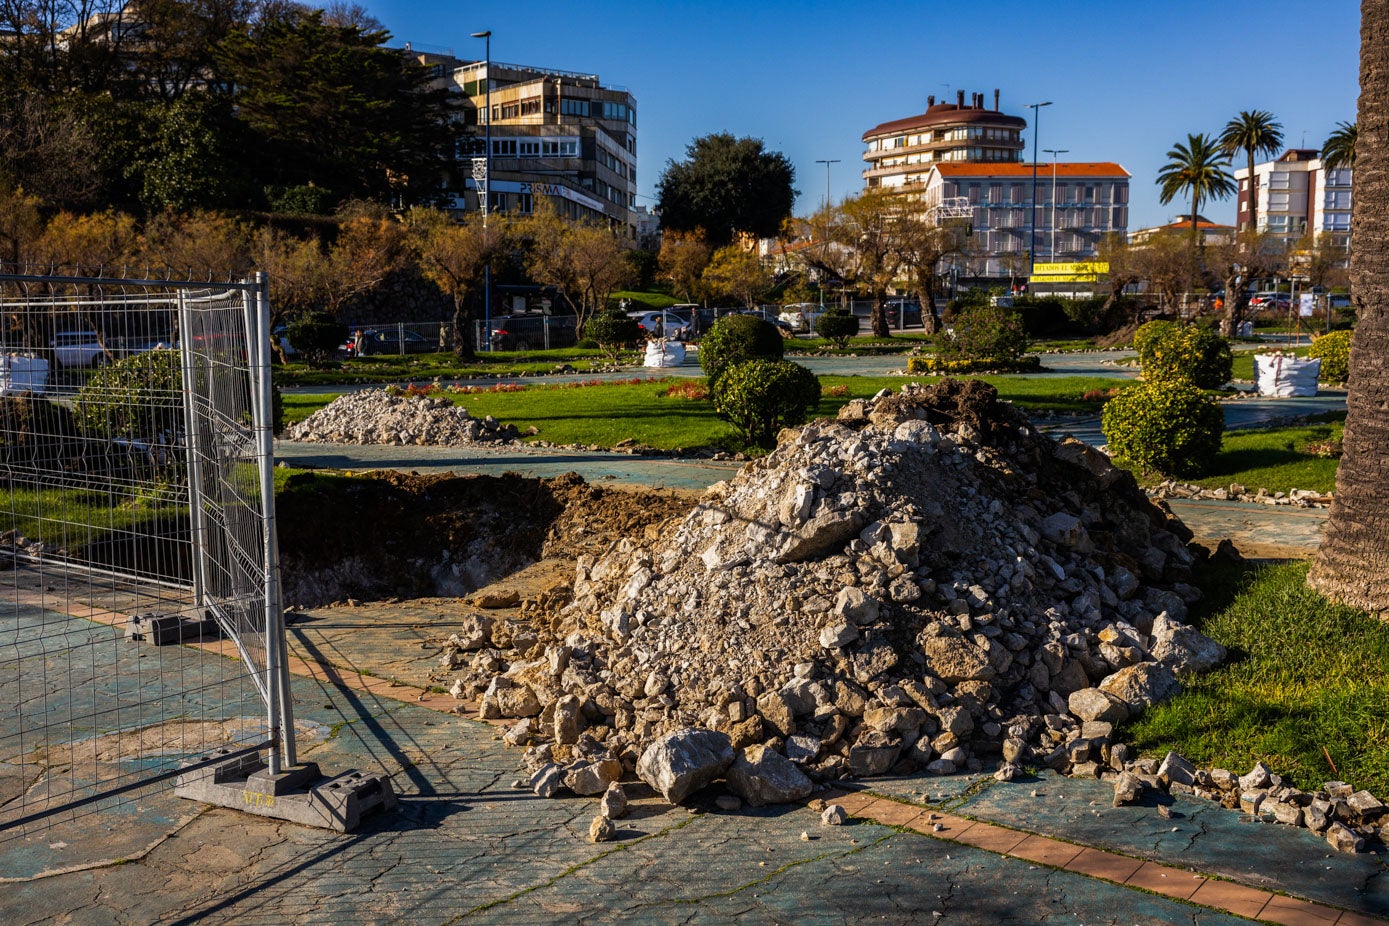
(467, 847)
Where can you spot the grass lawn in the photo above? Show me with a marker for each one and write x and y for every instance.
(396, 369)
(608, 413)
(1306, 688)
(1244, 359)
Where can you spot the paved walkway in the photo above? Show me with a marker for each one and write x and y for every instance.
(468, 845)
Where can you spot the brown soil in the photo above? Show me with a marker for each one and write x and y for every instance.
(398, 535)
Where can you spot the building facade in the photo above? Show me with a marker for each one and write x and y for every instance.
(558, 134)
(901, 153)
(1297, 196)
(1091, 200)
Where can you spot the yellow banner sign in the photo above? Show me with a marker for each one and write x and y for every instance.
(1088, 271)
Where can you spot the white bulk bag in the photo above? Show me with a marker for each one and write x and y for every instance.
(664, 352)
(20, 373)
(1284, 375)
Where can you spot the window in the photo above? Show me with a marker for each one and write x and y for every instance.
(1121, 193)
(525, 203)
(573, 107)
(531, 106)
(503, 147)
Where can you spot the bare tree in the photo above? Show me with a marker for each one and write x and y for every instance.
(453, 257)
(921, 246)
(1249, 256)
(682, 260)
(735, 271)
(204, 245)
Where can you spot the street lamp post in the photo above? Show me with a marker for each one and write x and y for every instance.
(1032, 212)
(827, 164)
(1054, 152)
(485, 194)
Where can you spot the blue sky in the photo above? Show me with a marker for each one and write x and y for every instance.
(1127, 79)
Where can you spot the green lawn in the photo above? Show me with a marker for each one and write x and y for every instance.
(606, 414)
(1306, 687)
(1244, 359)
(418, 367)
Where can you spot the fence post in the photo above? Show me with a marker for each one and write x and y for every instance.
(279, 708)
(192, 426)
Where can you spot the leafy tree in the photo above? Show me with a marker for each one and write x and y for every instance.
(368, 247)
(1170, 265)
(292, 266)
(1251, 255)
(1124, 265)
(177, 49)
(736, 272)
(99, 241)
(1339, 149)
(21, 225)
(201, 245)
(682, 260)
(727, 186)
(330, 104)
(453, 256)
(584, 262)
(1252, 132)
(1350, 564)
(921, 245)
(317, 337)
(191, 160)
(48, 149)
(862, 231)
(1197, 168)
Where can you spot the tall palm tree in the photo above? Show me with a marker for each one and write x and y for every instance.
(1339, 150)
(1198, 167)
(1253, 132)
(1352, 564)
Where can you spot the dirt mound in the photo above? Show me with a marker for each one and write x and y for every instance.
(926, 579)
(378, 416)
(397, 535)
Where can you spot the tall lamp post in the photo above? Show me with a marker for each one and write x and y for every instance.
(1051, 252)
(1032, 212)
(485, 194)
(827, 164)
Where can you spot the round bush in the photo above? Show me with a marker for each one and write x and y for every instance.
(1187, 352)
(1148, 335)
(983, 332)
(760, 397)
(612, 330)
(316, 337)
(136, 398)
(734, 339)
(837, 326)
(1334, 351)
(1165, 426)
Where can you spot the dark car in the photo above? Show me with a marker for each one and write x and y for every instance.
(532, 332)
(388, 341)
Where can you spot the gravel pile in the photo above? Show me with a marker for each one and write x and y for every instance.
(926, 580)
(375, 416)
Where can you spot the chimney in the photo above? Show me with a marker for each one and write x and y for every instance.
(959, 99)
(930, 100)
(979, 101)
(995, 99)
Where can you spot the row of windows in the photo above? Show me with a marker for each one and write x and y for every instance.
(980, 154)
(611, 162)
(471, 146)
(960, 133)
(981, 133)
(598, 109)
(1094, 217)
(1017, 193)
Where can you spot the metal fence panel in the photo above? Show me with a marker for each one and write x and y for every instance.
(136, 504)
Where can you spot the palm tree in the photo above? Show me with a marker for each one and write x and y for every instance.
(1352, 564)
(1339, 150)
(1253, 133)
(1197, 167)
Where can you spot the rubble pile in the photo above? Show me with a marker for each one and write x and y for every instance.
(925, 580)
(1295, 498)
(1349, 820)
(375, 416)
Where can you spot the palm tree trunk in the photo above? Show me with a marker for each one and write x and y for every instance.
(1253, 200)
(1352, 564)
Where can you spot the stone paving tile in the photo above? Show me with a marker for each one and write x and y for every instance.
(1045, 851)
(1107, 865)
(1289, 911)
(991, 838)
(1169, 882)
(1351, 918)
(1226, 895)
(892, 813)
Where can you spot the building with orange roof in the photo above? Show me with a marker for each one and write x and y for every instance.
(1210, 232)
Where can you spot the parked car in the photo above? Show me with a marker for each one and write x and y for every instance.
(767, 315)
(78, 349)
(664, 324)
(532, 332)
(388, 341)
(912, 310)
(801, 316)
(1339, 300)
(1270, 301)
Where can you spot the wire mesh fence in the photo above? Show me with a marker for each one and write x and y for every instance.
(136, 507)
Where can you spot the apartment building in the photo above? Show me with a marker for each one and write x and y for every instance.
(559, 134)
(900, 153)
(1091, 200)
(1297, 195)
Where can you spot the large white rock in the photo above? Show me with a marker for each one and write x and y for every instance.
(763, 776)
(682, 762)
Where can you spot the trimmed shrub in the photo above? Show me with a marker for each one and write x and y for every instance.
(983, 333)
(1334, 351)
(759, 397)
(316, 337)
(944, 367)
(1148, 335)
(612, 330)
(1165, 426)
(734, 339)
(837, 326)
(1187, 352)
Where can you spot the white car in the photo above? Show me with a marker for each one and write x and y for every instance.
(801, 316)
(78, 349)
(661, 324)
